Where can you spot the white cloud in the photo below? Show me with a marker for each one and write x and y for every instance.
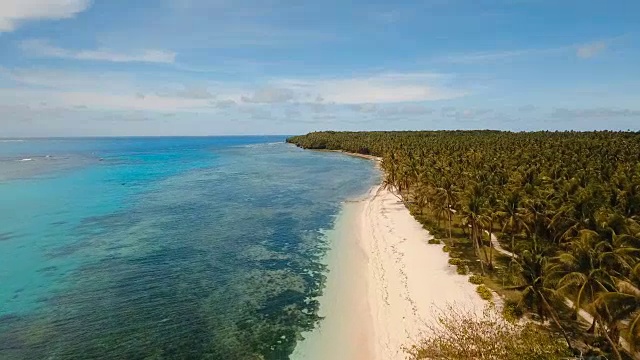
(102, 101)
(196, 93)
(317, 107)
(389, 94)
(406, 110)
(43, 48)
(270, 96)
(377, 89)
(15, 12)
(189, 92)
(590, 50)
(460, 114)
(223, 104)
(479, 57)
(117, 90)
(67, 80)
(527, 108)
(595, 113)
(485, 56)
(364, 108)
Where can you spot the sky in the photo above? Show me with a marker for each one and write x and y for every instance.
(238, 67)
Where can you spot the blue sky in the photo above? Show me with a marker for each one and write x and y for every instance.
(219, 67)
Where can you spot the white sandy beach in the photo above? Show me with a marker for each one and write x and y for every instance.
(385, 283)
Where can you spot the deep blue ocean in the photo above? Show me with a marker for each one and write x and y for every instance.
(165, 248)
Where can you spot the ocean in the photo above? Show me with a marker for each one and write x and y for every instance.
(165, 248)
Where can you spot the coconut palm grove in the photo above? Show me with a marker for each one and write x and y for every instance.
(548, 220)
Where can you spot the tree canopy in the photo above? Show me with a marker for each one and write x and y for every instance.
(564, 205)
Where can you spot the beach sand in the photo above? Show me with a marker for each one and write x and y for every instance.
(385, 283)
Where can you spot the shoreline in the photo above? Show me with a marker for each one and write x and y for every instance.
(385, 284)
(363, 156)
(345, 330)
(377, 159)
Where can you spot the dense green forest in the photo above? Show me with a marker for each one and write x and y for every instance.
(563, 208)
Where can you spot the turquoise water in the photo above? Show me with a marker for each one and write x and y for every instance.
(165, 248)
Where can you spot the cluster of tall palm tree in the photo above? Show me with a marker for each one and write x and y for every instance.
(566, 205)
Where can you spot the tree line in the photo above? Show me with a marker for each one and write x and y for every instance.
(566, 205)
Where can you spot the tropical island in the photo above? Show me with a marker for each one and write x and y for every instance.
(545, 224)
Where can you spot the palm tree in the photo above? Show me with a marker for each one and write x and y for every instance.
(448, 197)
(440, 211)
(492, 205)
(420, 198)
(472, 215)
(390, 167)
(536, 292)
(578, 213)
(618, 248)
(580, 272)
(623, 305)
(513, 217)
(537, 215)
